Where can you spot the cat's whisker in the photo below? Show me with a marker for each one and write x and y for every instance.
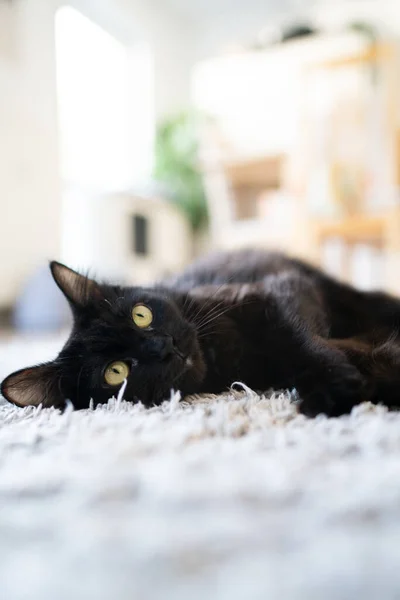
(211, 312)
(208, 334)
(185, 302)
(211, 309)
(219, 310)
(211, 320)
(200, 310)
(222, 312)
(192, 303)
(219, 304)
(218, 316)
(210, 298)
(78, 381)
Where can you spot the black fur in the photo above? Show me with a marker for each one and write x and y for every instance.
(251, 316)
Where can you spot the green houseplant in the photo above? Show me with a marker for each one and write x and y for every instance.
(176, 167)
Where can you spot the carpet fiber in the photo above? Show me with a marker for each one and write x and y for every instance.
(218, 498)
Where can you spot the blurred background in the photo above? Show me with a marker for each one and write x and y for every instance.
(135, 135)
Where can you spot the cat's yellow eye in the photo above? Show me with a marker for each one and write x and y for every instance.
(142, 316)
(116, 373)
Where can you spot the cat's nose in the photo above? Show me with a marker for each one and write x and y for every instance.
(161, 348)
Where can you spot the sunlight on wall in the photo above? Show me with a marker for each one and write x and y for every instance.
(106, 112)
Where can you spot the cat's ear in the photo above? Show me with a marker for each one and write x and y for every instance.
(78, 289)
(34, 386)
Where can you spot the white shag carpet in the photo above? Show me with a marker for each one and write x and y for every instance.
(220, 498)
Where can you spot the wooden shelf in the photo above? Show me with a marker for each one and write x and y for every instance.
(373, 54)
(263, 172)
(354, 229)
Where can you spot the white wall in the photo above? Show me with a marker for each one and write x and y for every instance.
(98, 237)
(233, 28)
(384, 14)
(30, 187)
(173, 39)
(240, 25)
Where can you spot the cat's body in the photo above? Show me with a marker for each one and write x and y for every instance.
(252, 316)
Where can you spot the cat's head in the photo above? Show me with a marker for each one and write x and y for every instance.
(132, 333)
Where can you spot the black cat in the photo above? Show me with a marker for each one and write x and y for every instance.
(251, 316)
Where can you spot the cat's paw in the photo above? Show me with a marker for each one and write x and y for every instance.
(333, 392)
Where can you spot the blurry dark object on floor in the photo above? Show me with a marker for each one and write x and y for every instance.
(277, 34)
(297, 30)
(40, 307)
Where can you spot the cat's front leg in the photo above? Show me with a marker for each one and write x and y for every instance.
(329, 384)
(325, 379)
(301, 352)
(322, 374)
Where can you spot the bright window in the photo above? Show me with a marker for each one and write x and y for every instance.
(105, 99)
